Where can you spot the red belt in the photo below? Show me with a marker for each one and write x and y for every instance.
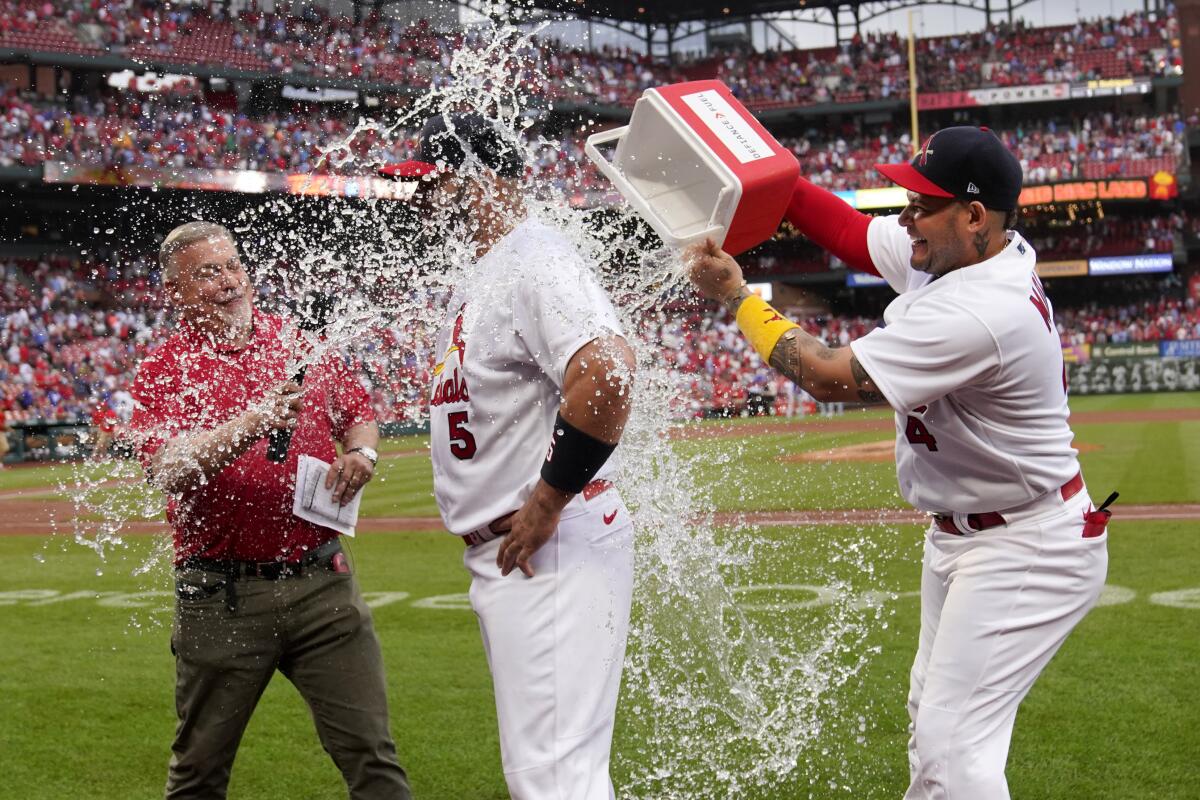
(993, 519)
(495, 529)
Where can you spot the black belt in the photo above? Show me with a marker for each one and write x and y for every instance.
(267, 570)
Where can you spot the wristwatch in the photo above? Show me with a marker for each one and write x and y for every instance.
(367, 452)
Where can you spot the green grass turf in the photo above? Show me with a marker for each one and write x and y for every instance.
(39, 476)
(96, 682)
(1112, 717)
(87, 688)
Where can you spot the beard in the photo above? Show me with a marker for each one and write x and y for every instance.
(227, 324)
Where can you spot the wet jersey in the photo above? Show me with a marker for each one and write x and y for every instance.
(512, 325)
(972, 365)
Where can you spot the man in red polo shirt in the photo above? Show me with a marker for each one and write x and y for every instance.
(257, 588)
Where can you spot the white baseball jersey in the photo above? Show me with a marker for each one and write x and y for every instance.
(510, 330)
(972, 365)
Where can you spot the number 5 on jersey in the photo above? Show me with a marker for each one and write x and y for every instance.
(462, 442)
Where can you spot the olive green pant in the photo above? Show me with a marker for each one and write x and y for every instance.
(316, 630)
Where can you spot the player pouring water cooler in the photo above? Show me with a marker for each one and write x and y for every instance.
(970, 361)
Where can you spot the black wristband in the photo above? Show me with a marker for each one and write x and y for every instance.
(574, 457)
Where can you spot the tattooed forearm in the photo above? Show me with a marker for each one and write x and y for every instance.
(786, 357)
(867, 391)
(793, 350)
(734, 301)
(799, 356)
(981, 241)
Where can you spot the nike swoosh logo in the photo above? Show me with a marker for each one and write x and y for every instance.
(608, 518)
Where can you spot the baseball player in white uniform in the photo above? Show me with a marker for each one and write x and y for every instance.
(529, 398)
(970, 361)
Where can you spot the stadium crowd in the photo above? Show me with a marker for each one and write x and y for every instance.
(875, 67)
(71, 346)
(1093, 146)
(68, 346)
(179, 129)
(381, 48)
(1059, 239)
(1161, 319)
(72, 331)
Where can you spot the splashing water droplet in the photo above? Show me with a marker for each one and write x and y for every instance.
(719, 701)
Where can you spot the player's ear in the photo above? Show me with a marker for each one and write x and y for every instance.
(978, 217)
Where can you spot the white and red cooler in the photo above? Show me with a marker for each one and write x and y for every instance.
(694, 163)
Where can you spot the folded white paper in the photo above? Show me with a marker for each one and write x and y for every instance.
(313, 502)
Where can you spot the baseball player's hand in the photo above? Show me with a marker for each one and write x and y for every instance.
(531, 527)
(348, 474)
(712, 270)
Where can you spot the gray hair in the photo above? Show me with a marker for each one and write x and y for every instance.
(185, 235)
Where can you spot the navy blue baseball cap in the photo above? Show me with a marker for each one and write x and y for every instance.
(963, 162)
(446, 139)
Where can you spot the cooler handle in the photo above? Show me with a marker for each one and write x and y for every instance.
(632, 195)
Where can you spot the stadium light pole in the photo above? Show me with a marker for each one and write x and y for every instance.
(912, 83)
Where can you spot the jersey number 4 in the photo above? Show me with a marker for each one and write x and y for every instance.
(462, 442)
(917, 433)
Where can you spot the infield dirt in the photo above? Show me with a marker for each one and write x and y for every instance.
(36, 512)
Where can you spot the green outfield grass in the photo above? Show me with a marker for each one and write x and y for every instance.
(86, 673)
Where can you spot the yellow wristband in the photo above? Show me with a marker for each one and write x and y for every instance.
(762, 325)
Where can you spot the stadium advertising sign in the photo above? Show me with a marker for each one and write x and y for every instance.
(1037, 93)
(245, 181)
(152, 82)
(1077, 353)
(1188, 348)
(861, 279)
(1069, 192)
(998, 96)
(1130, 265)
(867, 199)
(1074, 268)
(320, 94)
(1130, 375)
(220, 180)
(1111, 86)
(1125, 350)
(1163, 186)
(1074, 191)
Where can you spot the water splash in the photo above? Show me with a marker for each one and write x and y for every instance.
(719, 699)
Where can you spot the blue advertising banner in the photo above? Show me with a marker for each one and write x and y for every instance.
(1130, 265)
(858, 279)
(1189, 348)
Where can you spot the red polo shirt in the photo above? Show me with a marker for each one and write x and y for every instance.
(245, 511)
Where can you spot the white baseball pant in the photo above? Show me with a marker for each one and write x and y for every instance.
(555, 644)
(995, 607)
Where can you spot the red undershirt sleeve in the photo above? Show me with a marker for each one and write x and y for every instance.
(830, 222)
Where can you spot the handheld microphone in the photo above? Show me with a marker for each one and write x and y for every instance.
(280, 439)
(313, 312)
